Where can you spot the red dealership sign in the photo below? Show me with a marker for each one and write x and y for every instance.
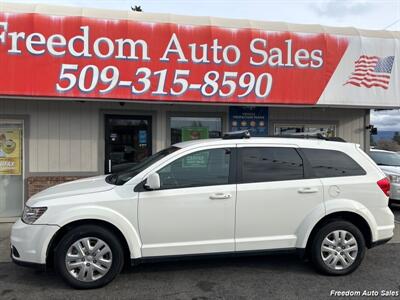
(82, 57)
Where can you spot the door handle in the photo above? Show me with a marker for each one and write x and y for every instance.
(308, 190)
(220, 196)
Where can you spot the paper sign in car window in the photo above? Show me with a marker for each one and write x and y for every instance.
(196, 160)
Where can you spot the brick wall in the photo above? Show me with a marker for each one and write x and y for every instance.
(39, 183)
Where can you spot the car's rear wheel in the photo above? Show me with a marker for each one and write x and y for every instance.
(89, 256)
(338, 248)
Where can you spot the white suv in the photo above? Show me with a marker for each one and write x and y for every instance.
(389, 162)
(326, 200)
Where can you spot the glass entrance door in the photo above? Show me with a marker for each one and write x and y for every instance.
(11, 168)
(127, 141)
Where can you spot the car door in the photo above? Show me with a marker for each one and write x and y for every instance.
(194, 210)
(274, 196)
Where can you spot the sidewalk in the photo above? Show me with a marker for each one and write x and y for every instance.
(5, 229)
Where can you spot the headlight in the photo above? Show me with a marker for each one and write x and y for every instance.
(394, 178)
(31, 214)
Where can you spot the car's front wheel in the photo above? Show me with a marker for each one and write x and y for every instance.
(89, 256)
(337, 248)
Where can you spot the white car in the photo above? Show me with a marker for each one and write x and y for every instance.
(325, 200)
(389, 162)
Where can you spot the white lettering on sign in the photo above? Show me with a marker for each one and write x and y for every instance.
(89, 77)
(110, 47)
(35, 39)
(80, 39)
(15, 36)
(103, 47)
(316, 57)
(4, 26)
(132, 49)
(174, 47)
(273, 57)
(56, 41)
(204, 56)
(71, 76)
(230, 54)
(259, 61)
(78, 46)
(7, 164)
(236, 54)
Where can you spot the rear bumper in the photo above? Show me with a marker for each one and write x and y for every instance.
(380, 242)
(384, 230)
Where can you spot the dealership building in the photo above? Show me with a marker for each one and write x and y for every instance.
(85, 92)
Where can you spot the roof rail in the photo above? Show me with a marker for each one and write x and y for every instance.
(317, 136)
(243, 134)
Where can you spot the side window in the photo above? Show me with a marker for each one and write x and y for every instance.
(208, 167)
(332, 163)
(270, 164)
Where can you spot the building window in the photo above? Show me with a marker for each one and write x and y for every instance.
(11, 168)
(194, 128)
(327, 130)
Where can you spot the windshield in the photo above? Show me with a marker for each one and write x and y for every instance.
(386, 158)
(121, 177)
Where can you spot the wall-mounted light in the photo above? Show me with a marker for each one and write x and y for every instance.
(372, 129)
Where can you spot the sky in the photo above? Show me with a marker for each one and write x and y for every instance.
(368, 14)
(371, 14)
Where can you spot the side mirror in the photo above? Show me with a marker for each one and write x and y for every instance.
(153, 182)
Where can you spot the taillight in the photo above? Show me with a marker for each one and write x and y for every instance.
(384, 184)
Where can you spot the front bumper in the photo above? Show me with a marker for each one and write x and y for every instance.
(39, 267)
(30, 242)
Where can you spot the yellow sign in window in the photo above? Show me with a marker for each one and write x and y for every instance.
(10, 151)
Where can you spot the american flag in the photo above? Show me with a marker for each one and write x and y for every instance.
(372, 71)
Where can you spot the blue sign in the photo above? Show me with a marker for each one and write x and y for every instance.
(252, 118)
(142, 136)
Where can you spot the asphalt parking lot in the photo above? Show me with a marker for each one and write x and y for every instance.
(257, 277)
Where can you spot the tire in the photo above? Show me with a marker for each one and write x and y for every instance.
(333, 262)
(92, 269)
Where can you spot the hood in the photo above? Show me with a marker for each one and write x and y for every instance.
(390, 170)
(72, 188)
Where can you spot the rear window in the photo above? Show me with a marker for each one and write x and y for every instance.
(332, 163)
(386, 158)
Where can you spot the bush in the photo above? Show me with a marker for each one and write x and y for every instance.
(388, 145)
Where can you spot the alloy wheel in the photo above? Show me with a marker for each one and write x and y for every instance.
(339, 250)
(88, 259)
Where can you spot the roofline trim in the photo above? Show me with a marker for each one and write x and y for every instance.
(54, 10)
